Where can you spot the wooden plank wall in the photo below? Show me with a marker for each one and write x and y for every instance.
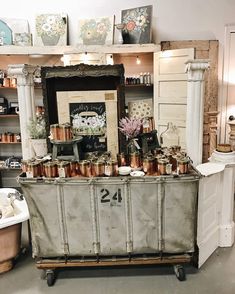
(203, 50)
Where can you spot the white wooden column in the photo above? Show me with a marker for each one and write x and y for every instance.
(25, 90)
(195, 105)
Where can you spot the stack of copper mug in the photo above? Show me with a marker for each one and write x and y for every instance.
(61, 132)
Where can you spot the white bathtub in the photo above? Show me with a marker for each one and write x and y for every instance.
(10, 231)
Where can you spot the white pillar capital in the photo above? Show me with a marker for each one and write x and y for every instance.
(24, 73)
(196, 68)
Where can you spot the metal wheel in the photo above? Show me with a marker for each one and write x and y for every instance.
(50, 276)
(180, 272)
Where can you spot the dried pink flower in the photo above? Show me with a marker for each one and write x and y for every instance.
(130, 127)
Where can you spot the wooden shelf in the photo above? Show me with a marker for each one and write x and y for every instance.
(60, 50)
(9, 116)
(139, 86)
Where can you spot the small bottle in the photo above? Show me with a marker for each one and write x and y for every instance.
(148, 79)
(138, 80)
(134, 80)
(141, 78)
(145, 78)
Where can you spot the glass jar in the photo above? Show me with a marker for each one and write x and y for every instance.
(170, 136)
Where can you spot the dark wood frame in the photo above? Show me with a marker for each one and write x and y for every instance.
(81, 77)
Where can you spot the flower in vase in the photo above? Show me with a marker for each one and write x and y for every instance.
(50, 25)
(130, 127)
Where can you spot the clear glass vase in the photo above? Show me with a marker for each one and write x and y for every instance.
(170, 136)
(131, 146)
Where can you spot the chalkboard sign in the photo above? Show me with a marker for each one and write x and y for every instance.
(89, 120)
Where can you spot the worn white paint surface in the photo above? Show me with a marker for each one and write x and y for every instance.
(170, 89)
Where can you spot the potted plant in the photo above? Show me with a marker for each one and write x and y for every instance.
(37, 133)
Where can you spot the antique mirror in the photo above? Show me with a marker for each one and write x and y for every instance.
(91, 98)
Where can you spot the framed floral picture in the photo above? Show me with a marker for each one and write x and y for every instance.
(96, 31)
(137, 25)
(51, 30)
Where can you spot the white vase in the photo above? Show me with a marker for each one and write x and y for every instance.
(39, 146)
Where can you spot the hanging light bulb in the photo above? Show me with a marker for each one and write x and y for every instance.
(138, 61)
(66, 59)
(109, 59)
(85, 57)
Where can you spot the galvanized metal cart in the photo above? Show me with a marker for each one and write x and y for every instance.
(112, 221)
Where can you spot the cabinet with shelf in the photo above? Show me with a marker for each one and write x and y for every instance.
(136, 66)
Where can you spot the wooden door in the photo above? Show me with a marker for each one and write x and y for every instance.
(208, 216)
(170, 89)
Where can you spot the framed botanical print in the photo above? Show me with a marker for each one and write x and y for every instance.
(51, 30)
(96, 31)
(137, 25)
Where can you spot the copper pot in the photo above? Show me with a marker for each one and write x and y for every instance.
(183, 165)
(33, 170)
(135, 160)
(63, 169)
(10, 137)
(162, 166)
(65, 132)
(149, 166)
(4, 138)
(50, 169)
(98, 168)
(122, 159)
(85, 168)
(111, 168)
(73, 168)
(54, 131)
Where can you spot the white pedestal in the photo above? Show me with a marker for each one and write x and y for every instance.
(226, 201)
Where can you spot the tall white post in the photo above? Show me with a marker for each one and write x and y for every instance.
(25, 90)
(195, 104)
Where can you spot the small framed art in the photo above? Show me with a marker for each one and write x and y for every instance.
(96, 31)
(137, 25)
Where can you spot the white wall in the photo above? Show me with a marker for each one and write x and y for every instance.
(172, 19)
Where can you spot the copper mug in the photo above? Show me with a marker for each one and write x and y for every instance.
(149, 166)
(183, 165)
(111, 168)
(50, 169)
(63, 169)
(122, 159)
(162, 163)
(85, 168)
(98, 168)
(135, 160)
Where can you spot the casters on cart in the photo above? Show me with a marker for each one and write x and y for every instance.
(49, 275)
(179, 272)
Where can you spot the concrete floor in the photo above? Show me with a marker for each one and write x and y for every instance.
(217, 276)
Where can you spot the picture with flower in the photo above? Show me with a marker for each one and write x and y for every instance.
(51, 30)
(137, 25)
(96, 31)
